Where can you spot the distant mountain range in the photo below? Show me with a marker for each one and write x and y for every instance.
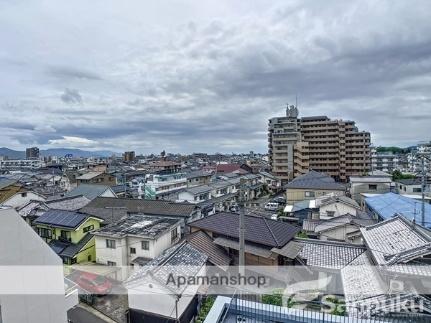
(60, 152)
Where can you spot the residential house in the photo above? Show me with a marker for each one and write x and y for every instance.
(384, 206)
(195, 194)
(374, 184)
(152, 298)
(68, 234)
(272, 182)
(96, 178)
(164, 186)
(113, 209)
(312, 185)
(30, 260)
(8, 188)
(411, 186)
(20, 199)
(91, 191)
(199, 177)
(135, 240)
(262, 235)
(165, 166)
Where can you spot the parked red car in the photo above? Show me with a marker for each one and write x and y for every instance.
(94, 284)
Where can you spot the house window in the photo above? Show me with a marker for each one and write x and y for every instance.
(23, 194)
(372, 187)
(132, 251)
(110, 244)
(145, 245)
(417, 190)
(330, 213)
(89, 228)
(174, 235)
(309, 194)
(111, 263)
(45, 233)
(65, 235)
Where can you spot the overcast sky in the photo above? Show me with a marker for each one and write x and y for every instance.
(189, 76)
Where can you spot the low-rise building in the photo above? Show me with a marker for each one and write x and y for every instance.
(96, 178)
(375, 184)
(91, 191)
(411, 186)
(311, 185)
(151, 298)
(164, 186)
(69, 234)
(8, 188)
(21, 163)
(199, 177)
(135, 240)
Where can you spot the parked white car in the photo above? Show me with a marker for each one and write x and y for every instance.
(271, 206)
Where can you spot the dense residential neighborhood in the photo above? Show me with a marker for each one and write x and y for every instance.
(215, 161)
(119, 224)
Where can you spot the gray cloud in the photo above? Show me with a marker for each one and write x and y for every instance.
(180, 78)
(71, 96)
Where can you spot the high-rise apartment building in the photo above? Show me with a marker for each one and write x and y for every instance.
(32, 153)
(129, 156)
(334, 147)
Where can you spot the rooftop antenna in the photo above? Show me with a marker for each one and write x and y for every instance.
(296, 100)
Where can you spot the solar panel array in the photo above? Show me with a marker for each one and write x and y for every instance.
(61, 218)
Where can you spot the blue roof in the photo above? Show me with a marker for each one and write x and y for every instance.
(60, 218)
(387, 205)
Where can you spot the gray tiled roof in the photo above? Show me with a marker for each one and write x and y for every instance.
(180, 260)
(315, 180)
(72, 203)
(340, 199)
(90, 191)
(248, 247)
(98, 207)
(328, 254)
(204, 243)
(258, 229)
(198, 173)
(341, 221)
(398, 245)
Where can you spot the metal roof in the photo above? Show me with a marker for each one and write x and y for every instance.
(388, 204)
(61, 218)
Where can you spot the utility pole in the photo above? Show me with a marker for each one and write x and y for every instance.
(242, 227)
(424, 179)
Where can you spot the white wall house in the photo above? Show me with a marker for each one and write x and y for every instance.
(134, 241)
(33, 290)
(158, 185)
(22, 198)
(336, 206)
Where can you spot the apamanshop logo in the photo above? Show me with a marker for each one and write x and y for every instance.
(221, 280)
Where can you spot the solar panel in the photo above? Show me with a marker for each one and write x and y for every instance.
(61, 218)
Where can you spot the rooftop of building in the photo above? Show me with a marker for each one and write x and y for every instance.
(388, 204)
(89, 175)
(315, 180)
(62, 219)
(259, 230)
(90, 191)
(138, 225)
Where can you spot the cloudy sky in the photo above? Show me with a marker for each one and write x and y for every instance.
(188, 76)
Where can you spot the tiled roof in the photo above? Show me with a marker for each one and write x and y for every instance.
(342, 220)
(290, 250)
(204, 243)
(90, 191)
(68, 249)
(411, 181)
(396, 244)
(257, 229)
(328, 254)
(99, 206)
(315, 180)
(339, 199)
(248, 247)
(198, 189)
(198, 173)
(389, 204)
(180, 260)
(72, 203)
